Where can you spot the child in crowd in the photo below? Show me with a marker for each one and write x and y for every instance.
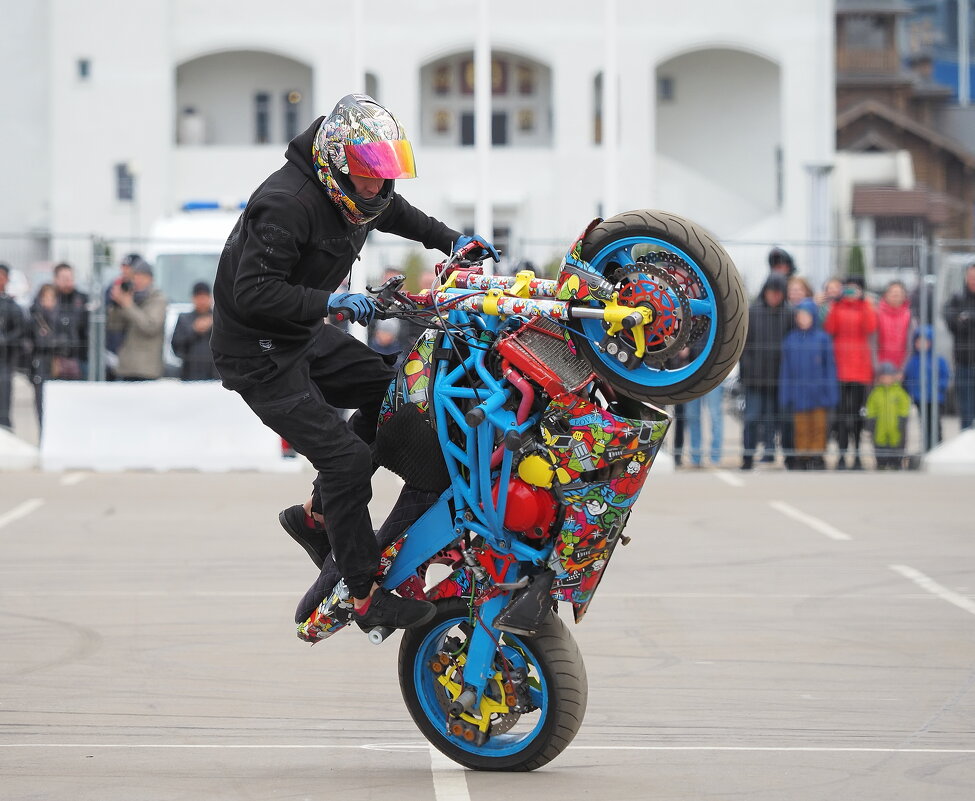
(851, 322)
(926, 381)
(893, 326)
(384, 338)
(808, 389)
(798, 290)
(888, 407)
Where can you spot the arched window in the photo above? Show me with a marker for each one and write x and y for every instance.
(719, 126)
(521, 101)
(242, 97)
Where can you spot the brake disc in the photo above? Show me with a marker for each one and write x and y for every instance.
(500, 722)
(689, 281)
(656, 287)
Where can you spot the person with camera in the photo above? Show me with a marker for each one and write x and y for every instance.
(137, 310)
(191, 337)
(113, 339)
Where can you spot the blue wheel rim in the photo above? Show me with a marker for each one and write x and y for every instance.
(621, 251)
(429, 692)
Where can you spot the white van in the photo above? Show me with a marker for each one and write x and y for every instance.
(184, 249)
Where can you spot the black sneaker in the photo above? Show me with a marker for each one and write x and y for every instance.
(313, 540)
(393, 611)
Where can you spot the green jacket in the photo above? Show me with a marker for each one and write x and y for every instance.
(887, 411)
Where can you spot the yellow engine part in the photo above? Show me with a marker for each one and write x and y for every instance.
(535, 470)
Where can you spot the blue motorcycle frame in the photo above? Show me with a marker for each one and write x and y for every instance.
(496, 431)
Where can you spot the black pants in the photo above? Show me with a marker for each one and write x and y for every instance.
(297, 394)
(6, 392)
(849, 421)
(410, 505)
(927, 422)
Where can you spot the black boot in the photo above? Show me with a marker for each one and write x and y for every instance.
(529, 607)
(392, 611)
(313, 540)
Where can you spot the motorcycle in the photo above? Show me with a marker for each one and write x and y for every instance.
(524, 423)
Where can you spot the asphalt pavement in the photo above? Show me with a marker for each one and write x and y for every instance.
(767, 636)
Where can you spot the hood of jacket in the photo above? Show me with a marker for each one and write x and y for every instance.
(925, 331)
(774, 281)
(807, 305)
(299, 151)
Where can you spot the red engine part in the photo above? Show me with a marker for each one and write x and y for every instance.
(530, 510)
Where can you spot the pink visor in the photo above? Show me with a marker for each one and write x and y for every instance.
(391, 159)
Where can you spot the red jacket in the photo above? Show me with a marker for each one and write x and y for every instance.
(850, 323)
(893, 329)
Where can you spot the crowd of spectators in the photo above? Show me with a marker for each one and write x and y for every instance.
(50, 338)
(815, 367)
(838, 364)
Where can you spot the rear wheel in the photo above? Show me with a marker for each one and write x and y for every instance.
(676, 268)
(533, 705)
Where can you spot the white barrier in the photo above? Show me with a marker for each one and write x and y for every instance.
(954, 457)
(155, 425)
(15, 454)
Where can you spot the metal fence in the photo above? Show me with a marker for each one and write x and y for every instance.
(930, 273)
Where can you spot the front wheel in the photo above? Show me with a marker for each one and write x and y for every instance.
(700, 311)
(533, 705)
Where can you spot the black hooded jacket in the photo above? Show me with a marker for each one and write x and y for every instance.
(960, 318)
(767, 327)
(289, 250)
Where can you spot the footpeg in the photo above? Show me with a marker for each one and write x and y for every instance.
(379, 634)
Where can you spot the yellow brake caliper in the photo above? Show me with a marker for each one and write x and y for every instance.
(445, 676)
(631, 318)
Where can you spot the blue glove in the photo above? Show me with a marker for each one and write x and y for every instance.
(486, 248)
(351, 306)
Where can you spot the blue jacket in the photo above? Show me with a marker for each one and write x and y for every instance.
(807, 374)
(936, 369)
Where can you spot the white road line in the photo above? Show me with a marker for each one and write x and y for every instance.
(449, 778)
(456, 771)
(20, 511)
(729, 478)
(813, 522)
(932, 586)
(70, 479)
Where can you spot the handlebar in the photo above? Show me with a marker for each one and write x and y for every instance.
(471, 291)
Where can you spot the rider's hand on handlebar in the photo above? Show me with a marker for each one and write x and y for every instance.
(351, 306)
(481, 248)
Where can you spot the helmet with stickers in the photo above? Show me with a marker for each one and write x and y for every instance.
(361, 138)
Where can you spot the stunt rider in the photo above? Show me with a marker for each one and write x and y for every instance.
(277, 279)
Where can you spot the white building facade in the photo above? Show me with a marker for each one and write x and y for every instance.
(122, 113)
